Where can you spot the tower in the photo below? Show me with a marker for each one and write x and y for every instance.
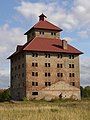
(45, 65)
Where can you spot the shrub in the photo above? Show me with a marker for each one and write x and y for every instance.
(5, 95)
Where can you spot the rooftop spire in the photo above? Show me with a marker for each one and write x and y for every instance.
(41, 17)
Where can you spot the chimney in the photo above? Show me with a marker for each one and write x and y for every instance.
(64, 44)
(41, 17)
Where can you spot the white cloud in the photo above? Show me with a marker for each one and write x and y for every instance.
(85, 71)
(84, 34)
(77, 17)
(9, 38)
(55, 13)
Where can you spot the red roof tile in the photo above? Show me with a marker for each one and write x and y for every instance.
(39, 44)
(49, 45)
(44, 25)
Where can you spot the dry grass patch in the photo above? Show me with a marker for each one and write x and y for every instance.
(41, 110)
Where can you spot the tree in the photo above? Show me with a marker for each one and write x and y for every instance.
(85, 92)
(5, 95)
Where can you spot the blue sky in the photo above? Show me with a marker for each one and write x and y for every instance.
(17, 16)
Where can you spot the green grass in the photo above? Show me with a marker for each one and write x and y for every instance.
(42, 110)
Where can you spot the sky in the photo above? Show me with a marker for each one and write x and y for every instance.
(18, 16)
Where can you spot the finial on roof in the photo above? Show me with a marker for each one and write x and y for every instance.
(41, 17)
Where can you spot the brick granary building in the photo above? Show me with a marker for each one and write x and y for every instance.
(45, 65)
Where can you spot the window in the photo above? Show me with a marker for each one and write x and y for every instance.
(71, 75)
(47, 55)
(34, 83)
(59, 65)
(72, 83)
(34, 73)
(35, 64)
(47, 74)
(71, 65)
(22, 74)
(59, 74)
(23, 65)
(41, 33)
(47, 83)
(59, 56)
(34, 55)
(53, 34)
(47, 64)
(34, 93)
(71, 56)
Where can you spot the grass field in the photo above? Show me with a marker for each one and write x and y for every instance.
(42, 110)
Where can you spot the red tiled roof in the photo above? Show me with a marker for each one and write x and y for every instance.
(44, 25)
(49, 45)
(39, 44)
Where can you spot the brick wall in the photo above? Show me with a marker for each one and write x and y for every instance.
(18, 78)
(41, 69)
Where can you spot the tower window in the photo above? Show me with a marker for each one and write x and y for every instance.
(34, 93)
(47, 64)
(47, 83)
(59, 65)
(23, 65)
(71, 75)
(47, 74)
(51, 33)
(55, 34)
(22, 74)
(71, 56)
(34, 55)
(34, 83)
(41, 33)
(72, 83)
(59, 74)
(59, 56)
(34, 73)
(35, 64)
(71, 65)
(47, 55)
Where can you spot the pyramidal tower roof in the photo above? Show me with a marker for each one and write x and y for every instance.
(44, 24)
